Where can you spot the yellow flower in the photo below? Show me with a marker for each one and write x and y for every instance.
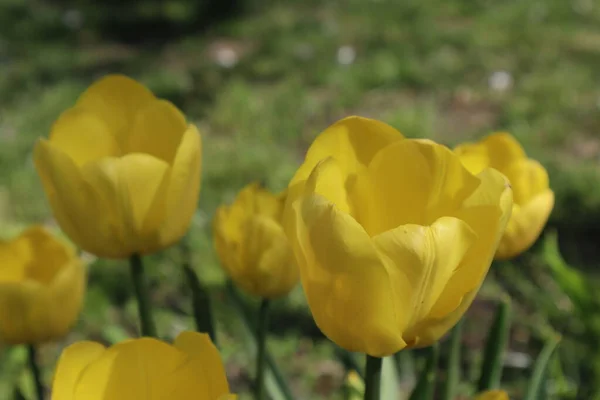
(533, 198)
(492, 395)
(393, 237)
(42, 283)
(354, 385)
(121, 170)
(252, 246)
(190, 369)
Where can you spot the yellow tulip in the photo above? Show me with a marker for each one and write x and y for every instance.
(533, 198)
(492, 395)
(252, 246)
(393, 237)
(42, 283)
(121, 170)
(190, 369)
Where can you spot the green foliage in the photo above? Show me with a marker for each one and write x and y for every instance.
(424, 66)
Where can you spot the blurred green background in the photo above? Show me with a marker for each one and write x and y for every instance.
(261, 79)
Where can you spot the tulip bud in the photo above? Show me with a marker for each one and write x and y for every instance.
(533, 198)
(42, 283)
(252, 246)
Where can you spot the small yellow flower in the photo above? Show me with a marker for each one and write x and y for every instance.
(354, 385)
(492, 395)
(42, 283)
(190, 369)
(533, 198)
(393, 237)
(252, 246)
(121, 170)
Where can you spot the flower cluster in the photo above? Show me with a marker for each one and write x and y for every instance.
(390, 237)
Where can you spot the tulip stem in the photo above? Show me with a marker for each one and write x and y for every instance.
(373, 378)
(143, 299)
(35, 371)
(261, 337)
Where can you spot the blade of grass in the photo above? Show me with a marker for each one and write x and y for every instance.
(536, 387)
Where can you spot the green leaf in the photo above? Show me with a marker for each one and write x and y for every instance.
(425, 388)
(572, 282)
(454, 368)
(491, 371)
(535, 391)
(18, 395)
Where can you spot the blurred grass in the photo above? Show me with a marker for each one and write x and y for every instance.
(262, 84)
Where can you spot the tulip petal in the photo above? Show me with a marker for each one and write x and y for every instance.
(352, 141)
(12, 267)
(488, 220)
(431, 183)
(20, 313)
(84, 136)
(487, 212)
(268, 265)
(134, 192)
(41, 254)
(426, 258)
(474, 157)
(157, 130)
(212, 372)
(184, 186)
(72, 362)
(43, 302)
(78, 207)
(528, 178)
(497, 150)
(116, 99)
(503, 149)
(257, 200)
(492, 395)
(328, 180)
(66, 294)
(227, 228)
(348, 289)
(33, 312)
(451, 182)
(141, 369)
(525, 225)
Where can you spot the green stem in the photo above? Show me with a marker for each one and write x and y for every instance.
(200, 305)
(245, 313)
(426, 384)
(141, 293)
(453, 369)
(35, 371)
(261, 337)
(497, 340)
(373, 378)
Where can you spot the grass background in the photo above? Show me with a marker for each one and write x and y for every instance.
(262, 79)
